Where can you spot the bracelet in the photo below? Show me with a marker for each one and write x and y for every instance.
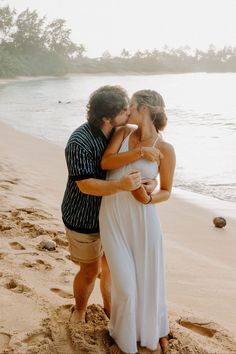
(149, 199)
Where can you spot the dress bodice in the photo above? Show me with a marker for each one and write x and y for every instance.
(147, 168)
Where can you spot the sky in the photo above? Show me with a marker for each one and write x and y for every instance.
(138, 25)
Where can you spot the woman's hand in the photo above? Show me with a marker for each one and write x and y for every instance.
(151, 154)
(141, 195)
(149, 185)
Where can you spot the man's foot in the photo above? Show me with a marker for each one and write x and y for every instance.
(77, 316)
(164, 344)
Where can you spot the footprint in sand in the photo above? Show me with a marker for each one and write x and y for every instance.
(2, 255)
(26, 224)
(29, 253)
(32, 213)
(38, 341)
(60, 260)
(5, 186)
(39, 265)
(68, 256)
(34, 338)
(62, 293)
(27, 197)
(4, 341)
(63, 342)
(11, 181)
(16, 246)
(16, 287)
(199, 328)
(5, 227)
(54, 337)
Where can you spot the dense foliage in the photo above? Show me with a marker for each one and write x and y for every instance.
(30, 46)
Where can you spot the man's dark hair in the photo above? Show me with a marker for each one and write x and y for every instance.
(106, 102)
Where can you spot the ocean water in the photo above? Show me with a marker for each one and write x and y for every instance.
(201, 111)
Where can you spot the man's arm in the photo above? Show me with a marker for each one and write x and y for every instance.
(100, 187)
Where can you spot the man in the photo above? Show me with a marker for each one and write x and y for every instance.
(106, 110)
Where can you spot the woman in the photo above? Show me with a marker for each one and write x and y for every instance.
(131, 233)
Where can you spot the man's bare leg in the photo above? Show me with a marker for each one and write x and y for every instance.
(83, 286)
(105, 286)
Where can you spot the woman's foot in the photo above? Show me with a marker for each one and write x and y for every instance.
(164, 344)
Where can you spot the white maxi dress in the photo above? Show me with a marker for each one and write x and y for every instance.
(132, 241)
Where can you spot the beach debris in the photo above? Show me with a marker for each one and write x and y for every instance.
(219, 221)
(47, 244)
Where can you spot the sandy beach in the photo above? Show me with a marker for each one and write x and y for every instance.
(36, 284)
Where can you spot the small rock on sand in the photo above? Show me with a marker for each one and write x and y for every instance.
(48, 245)
(219, 221)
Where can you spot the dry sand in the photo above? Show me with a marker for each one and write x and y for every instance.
(36, 285)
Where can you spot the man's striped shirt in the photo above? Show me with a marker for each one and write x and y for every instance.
(83, 154)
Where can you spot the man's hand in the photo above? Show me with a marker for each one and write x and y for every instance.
(149, 185)
(131, 181)
(141, 195)
(151, 154)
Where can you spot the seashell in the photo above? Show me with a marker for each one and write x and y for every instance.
(48, 245)
(219, 221)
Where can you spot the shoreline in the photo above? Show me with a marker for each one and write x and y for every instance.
(200, 263)
(221, 207)
(217, 207)
(6, 81)
(200, 200)
(122, 73)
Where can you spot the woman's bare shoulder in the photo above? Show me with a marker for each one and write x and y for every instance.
(165, 147)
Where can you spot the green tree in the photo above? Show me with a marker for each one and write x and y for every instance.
(106, 55)
(125, 54)
(6, 22)
(58, 39)
(80, 50)
(29, 35)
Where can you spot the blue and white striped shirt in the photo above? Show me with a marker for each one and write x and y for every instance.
(83, 154)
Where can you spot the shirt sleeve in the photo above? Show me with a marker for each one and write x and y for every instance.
(80, 163)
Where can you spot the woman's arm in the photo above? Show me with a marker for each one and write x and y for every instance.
(112, 159)
(166, 172)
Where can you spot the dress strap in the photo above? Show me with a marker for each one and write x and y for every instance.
(125, 142)
(158, 137)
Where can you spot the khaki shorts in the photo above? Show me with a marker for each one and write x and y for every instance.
(84, 248)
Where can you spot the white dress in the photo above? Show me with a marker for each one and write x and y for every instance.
(132, 240)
